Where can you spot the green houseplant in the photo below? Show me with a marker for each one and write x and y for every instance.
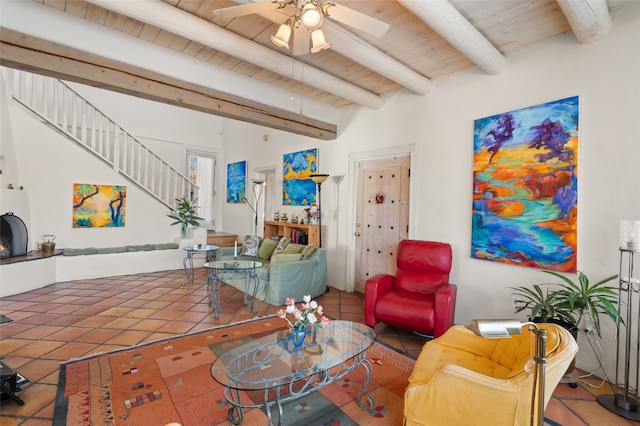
(185, 214)
(569, 301)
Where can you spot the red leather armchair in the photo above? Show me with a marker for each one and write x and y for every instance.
(419, 297)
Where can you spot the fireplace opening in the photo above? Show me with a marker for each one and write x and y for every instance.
(13, 236)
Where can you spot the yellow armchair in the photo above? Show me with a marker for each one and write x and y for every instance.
(461, 378)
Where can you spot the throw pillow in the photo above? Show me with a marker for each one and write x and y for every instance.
(293, 248)
(266, 248)
(250, 246)
(282, 243)
(309, 250)
(284, 258)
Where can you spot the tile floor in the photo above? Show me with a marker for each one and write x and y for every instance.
(74, 319)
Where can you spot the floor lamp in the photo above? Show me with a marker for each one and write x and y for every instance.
(500, 329)
(319, 180)
(625, 400)
(258, 188)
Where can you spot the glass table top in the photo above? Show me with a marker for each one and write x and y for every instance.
(233, 265)
(200, 247)
(272, 360)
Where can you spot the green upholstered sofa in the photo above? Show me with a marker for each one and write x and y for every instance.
(285, 274)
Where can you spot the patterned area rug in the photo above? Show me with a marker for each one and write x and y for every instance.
(169, 381)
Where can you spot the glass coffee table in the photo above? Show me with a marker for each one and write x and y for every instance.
(221, 270)
(208, 251)
(282, 372)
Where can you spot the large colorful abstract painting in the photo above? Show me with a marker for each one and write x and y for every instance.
(236, 181)
(525, 186)
(297, 188)
(99, 206)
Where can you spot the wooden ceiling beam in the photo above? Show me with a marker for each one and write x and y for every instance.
(589, 19)
(445, 19)
(21, 51)
(179, 22)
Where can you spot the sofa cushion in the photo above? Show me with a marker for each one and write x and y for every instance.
(79, 251)
(167, 246)
(282, 243)
(309, 251)
(266, 248)
(293, 248)
(143, 247)
(284, 258)
(251, 246)
(105, 250)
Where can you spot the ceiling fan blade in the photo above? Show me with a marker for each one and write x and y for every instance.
(245, 9)
(356, 19)
(301, 41)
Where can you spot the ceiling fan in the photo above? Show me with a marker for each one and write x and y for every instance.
(303, 19)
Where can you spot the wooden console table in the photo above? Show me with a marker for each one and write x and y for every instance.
(284, 229)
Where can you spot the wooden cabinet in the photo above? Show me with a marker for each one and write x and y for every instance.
(285, 228)
(221, 239)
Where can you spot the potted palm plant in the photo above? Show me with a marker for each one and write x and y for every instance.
(569, 302)
(185, 214)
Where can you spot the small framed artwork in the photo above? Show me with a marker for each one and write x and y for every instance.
(99, 206)
(236, 181)
(297, 188)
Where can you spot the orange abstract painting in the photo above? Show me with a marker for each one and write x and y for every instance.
(525, 186)
(99, 206)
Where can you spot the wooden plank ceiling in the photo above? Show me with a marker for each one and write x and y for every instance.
(410, 54)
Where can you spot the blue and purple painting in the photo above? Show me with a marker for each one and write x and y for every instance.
(525, 186)
(297, 188)
(236, 181)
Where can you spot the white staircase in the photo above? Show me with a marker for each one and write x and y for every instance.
(65, 110)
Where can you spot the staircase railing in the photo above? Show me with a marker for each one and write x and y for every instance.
(68, 112)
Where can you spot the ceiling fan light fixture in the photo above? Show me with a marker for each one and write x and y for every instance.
(311, 16)
(318, 42)
(281, 39)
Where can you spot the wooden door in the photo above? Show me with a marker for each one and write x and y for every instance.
(382, 215)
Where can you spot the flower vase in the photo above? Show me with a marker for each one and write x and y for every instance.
(185, 230)
(298, 335)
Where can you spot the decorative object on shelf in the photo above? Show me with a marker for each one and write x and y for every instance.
(531, 154)
(319, 180)
(294, 219)
(283, 217)
(185, 214)
(312, 214)
(309, 314)
(258, 188)
(276, 216)
(625, 401)
(236, 181)
(500, 329)
(10, 186)
(48, 245)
